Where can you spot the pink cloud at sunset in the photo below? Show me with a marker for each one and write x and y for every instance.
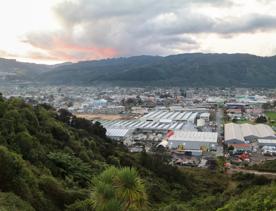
(57, 48)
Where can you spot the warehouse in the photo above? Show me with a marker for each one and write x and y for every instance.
(249, 132)
(118, 133)
(266, 142)
(170, 115)
(239, 133)
(205, 116)
(191, 140)
(233, 134)
(159, 120)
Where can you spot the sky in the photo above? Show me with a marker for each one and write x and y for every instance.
(55, 31)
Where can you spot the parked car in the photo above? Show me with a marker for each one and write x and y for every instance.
(269, 150)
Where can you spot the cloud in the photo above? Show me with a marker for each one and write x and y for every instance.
(93, 29)
(57, 46)
(248, 24)
(6, 54)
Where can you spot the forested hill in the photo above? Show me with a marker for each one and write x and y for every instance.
(12, 70)
(52, 161)
(197, 69)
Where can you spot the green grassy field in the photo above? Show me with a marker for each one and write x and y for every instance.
(242, 121)
(272, 117)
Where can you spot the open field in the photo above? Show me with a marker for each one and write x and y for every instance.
(102, 116)
(272, 117)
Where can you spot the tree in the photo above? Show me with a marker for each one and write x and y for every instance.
(256, 198)
(11, 202)
(261, 119)
(119, 189)
(65, 116)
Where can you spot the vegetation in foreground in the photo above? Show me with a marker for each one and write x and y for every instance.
(52, 160)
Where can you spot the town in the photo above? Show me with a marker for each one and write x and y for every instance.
(193, 125)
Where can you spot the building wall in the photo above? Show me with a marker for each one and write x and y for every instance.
(234, 141)
(196, 145)
(266, 144)
(250, 138)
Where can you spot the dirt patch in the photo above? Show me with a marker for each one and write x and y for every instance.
(103, 116)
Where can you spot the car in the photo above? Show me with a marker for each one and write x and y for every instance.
(269, 152)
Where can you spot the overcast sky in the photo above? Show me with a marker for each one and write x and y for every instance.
(52, 31)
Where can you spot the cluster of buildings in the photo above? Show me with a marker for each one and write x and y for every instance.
(176, 119)
(185, 133)
(243, 111)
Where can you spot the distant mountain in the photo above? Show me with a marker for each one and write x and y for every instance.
(12, 70)
(195, 69)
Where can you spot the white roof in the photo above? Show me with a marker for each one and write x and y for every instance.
(172, 115)
(165, 120)
(249, 130)
(267, 141)
(240, 131)
(205, 115)
(194, 136)
(116, 132)
(232, 131)
(163, 143)
(264, 130)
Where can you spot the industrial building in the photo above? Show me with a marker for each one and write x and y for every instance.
(159, 122)
(162, 125)
(118, 134)
(240, 133)
(161, 115)
(191, 140)
(266, 142)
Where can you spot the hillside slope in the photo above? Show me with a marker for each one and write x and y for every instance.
(12, 70)
(242, 70)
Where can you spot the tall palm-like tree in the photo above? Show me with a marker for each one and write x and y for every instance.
(120, 190)
(130, 189)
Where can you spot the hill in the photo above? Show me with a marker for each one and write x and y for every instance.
(12, 70)
(48, 160)
(197, 69)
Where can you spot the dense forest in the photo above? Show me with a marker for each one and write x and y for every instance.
(51, 160)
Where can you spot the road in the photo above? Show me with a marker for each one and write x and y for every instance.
(219, 116)
(246, 171)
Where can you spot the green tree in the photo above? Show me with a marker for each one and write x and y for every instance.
(11, 202)
(261, 119)
(119, 189)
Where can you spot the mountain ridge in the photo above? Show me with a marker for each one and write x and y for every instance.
(197, 69)
(187, 70)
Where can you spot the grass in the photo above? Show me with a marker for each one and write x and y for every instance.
(242, 121)
(272, 117)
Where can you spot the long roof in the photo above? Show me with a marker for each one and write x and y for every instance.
(267, 141)
(194, 136)
(240, 131)
(249, 130)
(264, 130)
(232, 131)
(116, 132)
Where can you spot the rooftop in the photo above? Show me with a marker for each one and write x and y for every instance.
(241, 131)
(194, 136)
(116, 132)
